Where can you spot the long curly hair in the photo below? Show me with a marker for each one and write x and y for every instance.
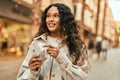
(69, 30)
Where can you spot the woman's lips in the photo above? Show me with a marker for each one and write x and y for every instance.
(51, 25)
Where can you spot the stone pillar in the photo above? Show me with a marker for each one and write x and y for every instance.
(36, 12)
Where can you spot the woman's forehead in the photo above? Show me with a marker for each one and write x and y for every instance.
(53, 9)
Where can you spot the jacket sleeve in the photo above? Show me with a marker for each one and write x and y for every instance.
(25, 73)
(71, 71)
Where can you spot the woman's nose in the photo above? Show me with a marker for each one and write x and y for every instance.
(51, 19)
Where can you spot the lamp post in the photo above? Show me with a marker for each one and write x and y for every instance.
(97, 18)
(104, 18)
(83, 11)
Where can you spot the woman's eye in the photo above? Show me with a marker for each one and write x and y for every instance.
(47, 16)
(56, 15)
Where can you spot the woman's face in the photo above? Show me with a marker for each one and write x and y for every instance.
(53, 19)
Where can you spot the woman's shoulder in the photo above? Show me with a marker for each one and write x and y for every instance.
(42, 36)
(38, 38)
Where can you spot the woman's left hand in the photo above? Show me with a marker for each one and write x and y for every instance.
(52, 51)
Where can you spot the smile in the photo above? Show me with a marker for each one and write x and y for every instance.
(51, 25)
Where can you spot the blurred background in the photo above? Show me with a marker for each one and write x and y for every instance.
(99, 22)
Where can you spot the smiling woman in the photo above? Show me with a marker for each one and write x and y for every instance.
(115, 4)
(53, 20)
(66, 53)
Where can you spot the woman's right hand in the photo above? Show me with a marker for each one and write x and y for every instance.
(35, 63)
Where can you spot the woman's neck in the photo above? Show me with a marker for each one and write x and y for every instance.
(54, 34)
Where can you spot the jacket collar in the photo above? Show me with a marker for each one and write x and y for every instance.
(41, 37)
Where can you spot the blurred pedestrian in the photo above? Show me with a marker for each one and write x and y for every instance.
(90, 48)
(57, 51)
(98, 48)
(105, 46)
(4, 46)
(22, 40)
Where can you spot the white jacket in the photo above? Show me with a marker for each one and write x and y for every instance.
(61, 67)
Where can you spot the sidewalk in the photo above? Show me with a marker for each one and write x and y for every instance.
(9, 67)
(106, 70)
(101, 70)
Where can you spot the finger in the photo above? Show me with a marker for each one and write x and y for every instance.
(35, 68)
(50, 46)
(52, 53)
(49, 52)
(52, 50)
(34, 59)
(36, 63)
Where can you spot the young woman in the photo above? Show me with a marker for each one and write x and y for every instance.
(57, 52)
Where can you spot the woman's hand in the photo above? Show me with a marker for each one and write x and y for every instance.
(52, 51)
(35, 63)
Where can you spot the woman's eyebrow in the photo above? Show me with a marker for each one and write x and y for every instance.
(53, 13)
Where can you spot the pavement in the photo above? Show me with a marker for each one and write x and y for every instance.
(106, 69)
(101, 69)
(9, 66)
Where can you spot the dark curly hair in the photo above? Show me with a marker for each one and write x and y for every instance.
(69, 30)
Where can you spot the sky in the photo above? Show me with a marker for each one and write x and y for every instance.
(115, 6)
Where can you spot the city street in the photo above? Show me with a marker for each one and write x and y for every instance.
(62, 22)
(106, 70)
(101, 70)
(9, 67)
